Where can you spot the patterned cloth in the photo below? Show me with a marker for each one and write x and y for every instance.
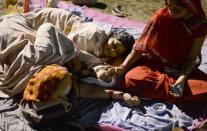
(46, 84)
(26, 47)
(22, 58)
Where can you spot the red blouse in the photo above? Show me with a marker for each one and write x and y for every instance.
(168, 40)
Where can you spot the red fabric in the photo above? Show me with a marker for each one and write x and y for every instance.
(148, 81)
(166, 41)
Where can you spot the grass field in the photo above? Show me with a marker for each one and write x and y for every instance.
(139, 10)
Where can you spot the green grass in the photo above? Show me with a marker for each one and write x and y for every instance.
(2, 7)
(139, 10)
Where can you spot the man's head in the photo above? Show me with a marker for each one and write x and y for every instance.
(49, 83)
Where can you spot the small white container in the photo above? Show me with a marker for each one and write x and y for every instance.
(159, 108)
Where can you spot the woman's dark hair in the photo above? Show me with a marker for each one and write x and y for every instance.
(126, 39)
(178, 2)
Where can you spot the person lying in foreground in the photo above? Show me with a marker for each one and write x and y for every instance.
(168, 54)
(55, 81)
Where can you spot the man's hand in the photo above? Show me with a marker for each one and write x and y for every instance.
(131, 100)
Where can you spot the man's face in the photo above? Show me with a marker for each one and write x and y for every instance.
(113, 48)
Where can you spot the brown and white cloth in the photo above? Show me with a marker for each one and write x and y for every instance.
(23, 51)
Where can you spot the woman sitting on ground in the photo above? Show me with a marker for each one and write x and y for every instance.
(168, 53)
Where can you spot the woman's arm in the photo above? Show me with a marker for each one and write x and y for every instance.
(189, 65)
(131, 58)
(129, 61)
(95, 91)
(191, 61)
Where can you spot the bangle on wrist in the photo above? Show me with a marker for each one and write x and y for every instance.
(123, 66)
(111, 92)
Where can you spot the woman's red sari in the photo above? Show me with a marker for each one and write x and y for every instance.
(166, 41)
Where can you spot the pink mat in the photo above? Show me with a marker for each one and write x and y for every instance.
(108, 127)
(102, 17)
(198, 124)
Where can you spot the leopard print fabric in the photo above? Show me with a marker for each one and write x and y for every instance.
(42, 85)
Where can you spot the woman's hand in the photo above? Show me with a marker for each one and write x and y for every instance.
(131, 100)
(128, 62)
(176, 90)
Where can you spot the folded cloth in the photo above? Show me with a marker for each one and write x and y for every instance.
(20, 59)
(136, 119)
(139, 118)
